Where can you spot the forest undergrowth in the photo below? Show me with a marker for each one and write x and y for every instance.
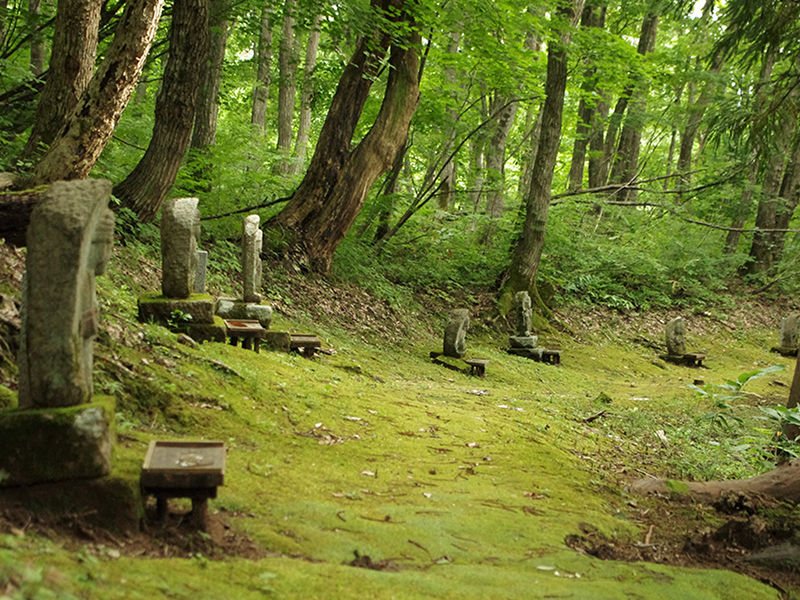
(371, 470)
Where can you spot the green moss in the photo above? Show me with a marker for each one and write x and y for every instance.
(8, 399)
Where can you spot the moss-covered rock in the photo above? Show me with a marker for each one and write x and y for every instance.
(197, 308)
(56, 444)
(8, 399)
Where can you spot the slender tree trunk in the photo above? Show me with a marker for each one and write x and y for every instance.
(535, 113)
(746, 199)
(387, 199)
(287, 85)
(495, 161)
(37, 39)
(593, 17)
(626, 166)
(597, 168)
(477, 155)
(789, 197)
(528, 252)
(90, 125)
(150, 181)
(332, 192)
(71, 67)
(306, 96)
(261, 90)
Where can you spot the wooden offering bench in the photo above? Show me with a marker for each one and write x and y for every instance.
(250, 332)
(305, 344)
(177, 469)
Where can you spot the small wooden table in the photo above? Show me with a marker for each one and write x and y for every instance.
(477, 366)
(250, 332)
(177, 469)
(694, 359)
(305, 344)
(552, 357)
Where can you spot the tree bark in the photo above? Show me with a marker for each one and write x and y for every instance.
(205, 120)
(789, 198)
(37, 39)
(626, 166)
(495, 162)
(593, 17)
(150, 181)
(287, 86)
(327, 201)
(528, 252)
(90, 125)
(306, 96)
(71, 66)
(261, 91)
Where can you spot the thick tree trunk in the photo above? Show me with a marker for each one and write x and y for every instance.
(70, 70)
(205, 120)
(148, 184)
(261, 91)
(528, 252)
(333, 190)
(626, 166)
(287, 85)
(91, 124)
(306, 95)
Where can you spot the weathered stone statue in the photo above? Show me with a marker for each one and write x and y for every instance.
(676, 337)
(69, 242)
(180, 228)
(523, 312)
(455, 333)
(251, 258)
(789, 330)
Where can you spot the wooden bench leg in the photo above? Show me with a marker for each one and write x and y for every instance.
(162, 508)
(257, 345)
(247, 343)
(200, 512)
(234, 340)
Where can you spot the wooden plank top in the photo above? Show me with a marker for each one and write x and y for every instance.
(244, 327)
(180, 464)
(305, 341)
(477, 362)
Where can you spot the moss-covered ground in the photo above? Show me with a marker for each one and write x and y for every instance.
(443, 485)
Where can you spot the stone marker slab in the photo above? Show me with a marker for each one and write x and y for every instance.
(70, 239)
(56, 444)
(200, 275)
(180, 228)
(523, 342)
(455, 333)
(251, 258)
(789, 330)
(277, 340)
(676, 337)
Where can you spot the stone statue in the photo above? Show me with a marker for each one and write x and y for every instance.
(455, 333)
(69, 243)
(252, 268)
(523, 312)
(676, 337)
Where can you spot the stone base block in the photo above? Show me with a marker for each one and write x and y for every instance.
(204, 332)
(113, 502)
(277, 340)
(523, 341)
(232, 308)
(531, 353)
(56, 444)
(160, 309)
(785, 350)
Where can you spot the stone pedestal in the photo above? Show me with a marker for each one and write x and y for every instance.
(203, 326)
(529, 341)
(56, 444)
(233, 308)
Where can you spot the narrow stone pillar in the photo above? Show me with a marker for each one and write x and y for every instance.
(251, 258)
(180, 228)
(200, 276)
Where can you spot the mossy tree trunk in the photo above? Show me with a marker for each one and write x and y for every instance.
(329, 198)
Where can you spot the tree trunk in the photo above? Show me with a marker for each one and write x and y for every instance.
(148, 184)
(37, 39)
(326, 203)
(495, 161)
(597, 169)
(205, 120)
(71, 67)
(767, 63)
(91, 124)
(528, 252)
(306, 95)
(626, 166)
(789, 197)
(287, 86)
(261, 91)
(593, 16)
